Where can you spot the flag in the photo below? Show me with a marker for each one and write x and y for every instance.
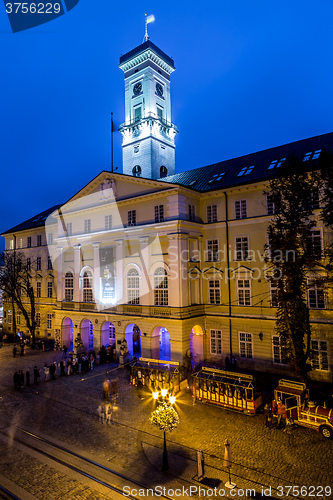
(150, 19)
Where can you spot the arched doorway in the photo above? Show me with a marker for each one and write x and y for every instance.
(87, 334)
(133, 339)
(67, 333)
(196, 345)
(108, 334)
(161, 347)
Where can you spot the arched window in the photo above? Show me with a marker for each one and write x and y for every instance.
(136, 171)
(133, 287)
(163, 171)
(112, 334)
(69, 287)
(87, 287)
(160, 287)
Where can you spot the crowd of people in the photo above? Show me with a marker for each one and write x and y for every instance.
(275, 416)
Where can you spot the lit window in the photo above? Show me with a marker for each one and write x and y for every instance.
(312, 155)
(240, 209)
(87, 225)
(276, 163)
(316, 294)
(39, 240)
(133, 287)
(211, 213)
(131, 218)
(69, 286)
(214, 292)
(159, 213)
(87, 287)
(245, 171)
(161, 295)
(242, 247)
(10, 317)
(245, 345)
(212, 251)
(244, 292)
(49, 321)
(20, 243)
(108, 222)
(279, 351)
(112, 335)
(216, 342)
(136, 171)
(319, 355)
(18, 318)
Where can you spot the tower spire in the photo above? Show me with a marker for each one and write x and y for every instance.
(148, 19)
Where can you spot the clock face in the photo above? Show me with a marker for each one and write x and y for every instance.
(137, 88)
(159, 89)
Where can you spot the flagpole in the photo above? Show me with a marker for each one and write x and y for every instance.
(111, 142)
(146, 29)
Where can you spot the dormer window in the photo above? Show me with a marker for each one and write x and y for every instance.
(216, 177)
(245, 171)
(276, 163)
(312, 155)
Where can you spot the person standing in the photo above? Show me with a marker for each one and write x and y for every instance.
(36, 375)
(268, 416)
(27, 377)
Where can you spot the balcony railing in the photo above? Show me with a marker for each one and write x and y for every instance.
(147, 117)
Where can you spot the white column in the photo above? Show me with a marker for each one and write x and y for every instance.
(97, 274)
(60, 281)
(119, 271)
(178, 287)
(77, 269)
(144, 282)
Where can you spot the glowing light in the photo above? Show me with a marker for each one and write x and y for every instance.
(164, 392)
(172, 400)
(155, 395)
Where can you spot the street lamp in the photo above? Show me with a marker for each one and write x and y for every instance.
(163, 397)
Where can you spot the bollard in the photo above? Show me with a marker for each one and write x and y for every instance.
(200, 464)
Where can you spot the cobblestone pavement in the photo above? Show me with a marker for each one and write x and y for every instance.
(66, 410)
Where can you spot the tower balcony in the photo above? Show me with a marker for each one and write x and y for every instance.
(150, 119)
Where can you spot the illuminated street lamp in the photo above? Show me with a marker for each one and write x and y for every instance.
(166, 419)
(163, 397)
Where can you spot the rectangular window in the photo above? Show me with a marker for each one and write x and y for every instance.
(28, 264)
(10, 317)
(191, 213)
(49, 263)
(39, 240)
(216, 342)
(29, 242)
(274, 297)
(159, 213)
(39, 289)
(244, 292)
(315, 199)
(87, 225)
(240, 209)
(242, 247)
(137, 113)
(131, 218)
(18, 318)
(214, 292)
(315, 243)
(270, 205)
(50, 239)
(108, 222)
(211, 213)
(49, 289)
(316, 295)
(38, 320)
(69, 228)
(38, 264)
(212, 251)
(319, 355)
(159, 112)
(245, 345)
(49, 321)
(20, 243)
(279, 352)
(11, 244)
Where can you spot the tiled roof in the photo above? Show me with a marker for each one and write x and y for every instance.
(36, 221)
(210, 178)
(144, 46)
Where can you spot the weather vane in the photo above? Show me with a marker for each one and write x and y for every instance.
(148, 19)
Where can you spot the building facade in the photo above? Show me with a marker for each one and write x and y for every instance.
(173, 263)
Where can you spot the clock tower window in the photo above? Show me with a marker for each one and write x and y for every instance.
(137, 113)
(160, 112)
(136, 171)
(163, 171)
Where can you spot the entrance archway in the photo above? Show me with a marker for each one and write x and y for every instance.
(87, 334)
(108, 334)
(196, 345)
(133, 339)
(67, 333)
(161, 347)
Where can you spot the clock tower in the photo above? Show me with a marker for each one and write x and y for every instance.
(148, 133)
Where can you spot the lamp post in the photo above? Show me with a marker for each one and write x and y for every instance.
(165, 417)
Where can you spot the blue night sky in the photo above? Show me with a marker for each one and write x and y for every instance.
(249, 76)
